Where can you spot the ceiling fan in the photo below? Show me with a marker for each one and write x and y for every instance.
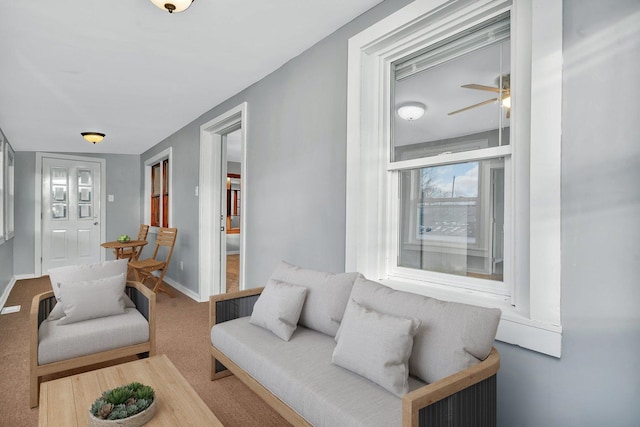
(503, 89)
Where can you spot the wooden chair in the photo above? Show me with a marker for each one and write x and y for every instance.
(144, 268)
(133, 253)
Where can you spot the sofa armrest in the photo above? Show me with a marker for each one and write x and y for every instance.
(145, 301)
(143, 297)
(231, 306)
(469, 385)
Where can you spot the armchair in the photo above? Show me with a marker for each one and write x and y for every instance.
(57, 348)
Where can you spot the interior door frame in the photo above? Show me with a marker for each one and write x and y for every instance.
(210, 185)
(37, 260)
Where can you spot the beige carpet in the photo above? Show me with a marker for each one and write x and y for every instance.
(182, 334)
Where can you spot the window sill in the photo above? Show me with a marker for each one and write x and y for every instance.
(515, 327)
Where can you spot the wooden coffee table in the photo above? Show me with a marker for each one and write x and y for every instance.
(65, 402)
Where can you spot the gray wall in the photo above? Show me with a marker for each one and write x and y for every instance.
(6, 265)
(597, 380)
(296, 157)
(24, 251)
(123, 181)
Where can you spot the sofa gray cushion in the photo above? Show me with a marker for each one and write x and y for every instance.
(85, 272)
(301, 374)
(452, 336)
(62, 342)
(327, 295)
(278, 308)
(91, 299)
(376, 346)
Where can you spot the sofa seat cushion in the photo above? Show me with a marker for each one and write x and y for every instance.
(62, 342)
(301, 374)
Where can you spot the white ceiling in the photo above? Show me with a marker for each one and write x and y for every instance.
(137, 73)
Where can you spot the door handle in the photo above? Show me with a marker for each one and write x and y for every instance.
(95, 223)
(221, 228)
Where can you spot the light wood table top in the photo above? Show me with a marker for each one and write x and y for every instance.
(65, 402)
(118, 247)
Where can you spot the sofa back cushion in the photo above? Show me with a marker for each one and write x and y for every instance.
(327, 295)
(451, 337)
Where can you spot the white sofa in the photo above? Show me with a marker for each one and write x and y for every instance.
(399, 358)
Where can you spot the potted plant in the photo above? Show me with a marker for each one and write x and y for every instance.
(130, 405)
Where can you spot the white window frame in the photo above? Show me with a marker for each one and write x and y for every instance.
(531, 315)
(165, 154)
(3, 147)
(9, 191)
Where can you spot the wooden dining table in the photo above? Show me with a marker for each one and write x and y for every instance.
(119, 247)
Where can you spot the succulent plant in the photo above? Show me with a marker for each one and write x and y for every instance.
(105, 410)
(123, 402)
(145, 392)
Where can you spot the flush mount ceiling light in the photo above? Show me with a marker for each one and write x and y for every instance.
(411, 110)
(92, 136)
(173, 5)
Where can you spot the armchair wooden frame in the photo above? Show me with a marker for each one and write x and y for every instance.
(143, 269)
(41, 306)
(467, 397)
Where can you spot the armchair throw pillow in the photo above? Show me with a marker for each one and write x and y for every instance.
(86, 300)
(85, 273)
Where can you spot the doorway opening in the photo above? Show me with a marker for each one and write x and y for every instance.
(232, 194)
(223, 195)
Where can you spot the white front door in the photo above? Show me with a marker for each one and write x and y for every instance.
(70, 212)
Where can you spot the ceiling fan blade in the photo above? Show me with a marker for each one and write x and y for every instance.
(488, 101)
(482, 87)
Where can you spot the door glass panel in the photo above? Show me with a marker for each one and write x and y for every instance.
(84, 177)
(59, 191)
(58, 211)
(84, 211)
(85, 191)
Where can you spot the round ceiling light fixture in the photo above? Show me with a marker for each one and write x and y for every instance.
(173, 5)
(92, 137)
(411, 110)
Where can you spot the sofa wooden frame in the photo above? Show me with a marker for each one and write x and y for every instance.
(41, 306)
(467, 397)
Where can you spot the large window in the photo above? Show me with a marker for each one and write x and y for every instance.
(460, 199)
(451, 213)
(158, 193)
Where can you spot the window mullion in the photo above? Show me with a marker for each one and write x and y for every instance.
(444, 159)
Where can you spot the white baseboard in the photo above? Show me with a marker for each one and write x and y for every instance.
(25, 276)
(7, 291)
(188, 292)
